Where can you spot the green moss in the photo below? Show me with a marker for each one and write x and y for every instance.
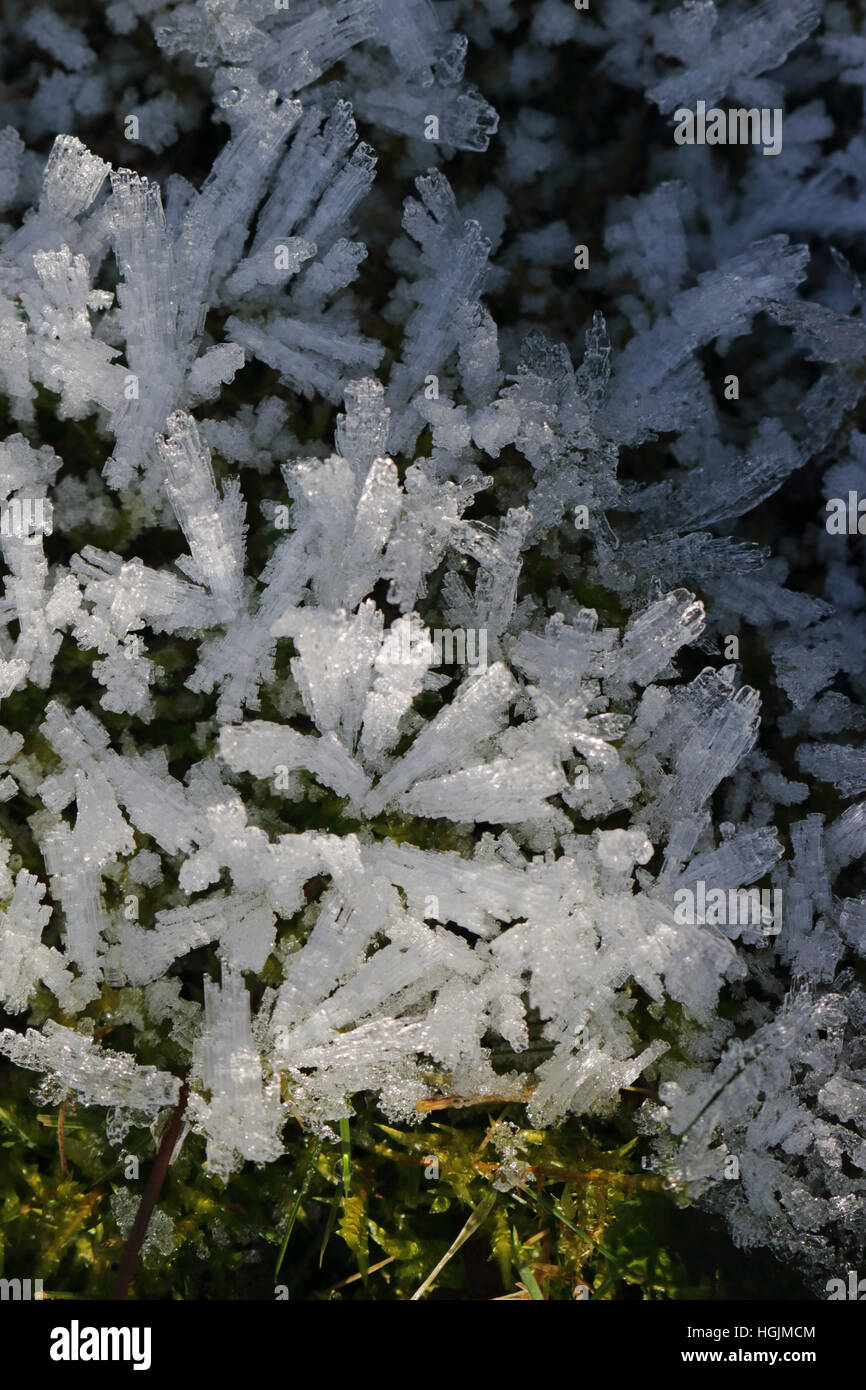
(592, 1216)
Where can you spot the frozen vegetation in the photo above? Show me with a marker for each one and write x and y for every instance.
(500, 844)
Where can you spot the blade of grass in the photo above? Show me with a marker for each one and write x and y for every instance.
(475, 1222)
(61, 1126)
(346, 1152)
(7, 1120)
(353, 1278)
(302, 1192)
(530, 1283)
(74, 1297)
(329, 1228)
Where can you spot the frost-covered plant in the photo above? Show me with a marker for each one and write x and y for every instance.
(400, 865)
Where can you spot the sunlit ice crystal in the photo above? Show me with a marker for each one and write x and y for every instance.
(244, 1116)
(74, 1065)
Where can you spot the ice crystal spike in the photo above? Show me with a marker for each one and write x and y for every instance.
(212, 525)
(24, 960)
(148, 298)
(668, 624)
(244, 1117)
(465, 120)
(74, 1065)
(477, 711)
(739, 52)
(73, 177)
(456, 256)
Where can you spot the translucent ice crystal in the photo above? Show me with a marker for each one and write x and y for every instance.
(94, 1075)
(243, 1117)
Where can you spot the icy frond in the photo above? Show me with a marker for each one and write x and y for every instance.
(42, 610)
(155, 803)
(429, 521)
(24, 960)
(244, 1117)
(411, 31)
(656, 381)
(241, 922)
(362, 432)
(148, 313)
(464, 120)
(333, 667)
(213, 526)
(476, 713)
(721, 63)
(63, 352)
(130, 592)
(323, 176)
(321, 38)
(11, 151)
(312, 357)
(757, 1102)
(74, 1065)
(701, 732)
(270, 749)
(653, 636)
(842, 764)
(454, 261)
(846, 837)
(649, 243)
(506, 790)
(73, 177)
(400, 666)
(349, 526)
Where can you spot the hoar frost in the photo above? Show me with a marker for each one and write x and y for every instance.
(509, 840)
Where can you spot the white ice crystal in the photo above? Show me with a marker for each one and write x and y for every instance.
(243, 1117)
(95, 1076)
(24, 961)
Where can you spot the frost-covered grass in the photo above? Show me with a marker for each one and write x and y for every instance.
(325, 333)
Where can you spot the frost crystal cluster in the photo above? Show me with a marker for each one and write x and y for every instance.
(265, 449)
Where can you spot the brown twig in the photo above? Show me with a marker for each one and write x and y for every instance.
(149, 1198)
(460, 1102)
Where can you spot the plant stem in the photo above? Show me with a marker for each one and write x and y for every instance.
(149, 1198)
